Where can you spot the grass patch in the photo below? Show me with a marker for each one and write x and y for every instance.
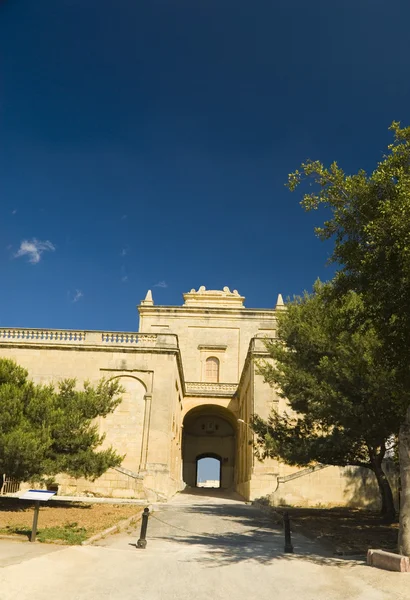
(68, 534)
(16, 530)
(61, 522)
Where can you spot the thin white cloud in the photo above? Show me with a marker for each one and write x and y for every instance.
(124, 279)
(34, 249)
(161, 284)
(123, 217)
(13, 212)
(77, 296)
(124, 252)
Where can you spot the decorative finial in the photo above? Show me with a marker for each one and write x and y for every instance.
(280, 305)
(214, 298)
(148, 299)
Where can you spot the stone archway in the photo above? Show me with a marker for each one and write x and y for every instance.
(124, 427)
(209, 430)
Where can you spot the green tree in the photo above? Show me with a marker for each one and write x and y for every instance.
(370, 223)
(336, 381)
(46, 430)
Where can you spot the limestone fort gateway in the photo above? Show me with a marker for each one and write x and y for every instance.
(191, 385)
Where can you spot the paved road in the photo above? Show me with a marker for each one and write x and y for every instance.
(199, 548)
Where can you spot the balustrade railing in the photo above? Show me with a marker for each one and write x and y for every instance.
(91, 338)
(10, 486)
(211, 389)
(111, 337)
(46, 335)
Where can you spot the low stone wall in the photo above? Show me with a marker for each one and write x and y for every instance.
(332, 486)
(113, 484)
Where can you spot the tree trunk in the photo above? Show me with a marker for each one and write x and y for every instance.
(388, 509)
(404, 457)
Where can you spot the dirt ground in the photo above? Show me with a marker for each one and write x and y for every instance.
(18, 514)
(345, 530)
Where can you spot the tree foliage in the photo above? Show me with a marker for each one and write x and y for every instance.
(328, 364)
(370, 224)
(46, 430)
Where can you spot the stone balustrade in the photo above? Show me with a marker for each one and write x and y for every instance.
(42, 335)
(20, 336)
(203, 388)
(128, 339)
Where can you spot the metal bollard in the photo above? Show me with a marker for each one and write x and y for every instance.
(142, 542)
(288, 541)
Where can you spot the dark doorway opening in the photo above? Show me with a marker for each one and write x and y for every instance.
(208, 471)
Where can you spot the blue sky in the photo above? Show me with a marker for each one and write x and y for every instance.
(146, 145)
(208, 468)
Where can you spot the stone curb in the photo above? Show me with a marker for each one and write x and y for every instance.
(94, 500)
(388, 561)
(21, 539)
(120, 525)
(87, 499)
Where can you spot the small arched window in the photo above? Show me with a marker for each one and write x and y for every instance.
(212, 370)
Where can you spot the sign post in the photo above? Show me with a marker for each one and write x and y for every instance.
(38, 496)
(35, 521)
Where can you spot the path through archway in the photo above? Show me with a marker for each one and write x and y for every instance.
(209, 432)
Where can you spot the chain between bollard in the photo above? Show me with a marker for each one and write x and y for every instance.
(142, 542)
(288, 540)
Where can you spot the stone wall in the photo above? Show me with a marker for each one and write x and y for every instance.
(331, 486)
(145, 427)
(113, 484)
(255, 478)
(210, 323)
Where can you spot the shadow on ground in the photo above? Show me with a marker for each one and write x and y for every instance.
(262, 540)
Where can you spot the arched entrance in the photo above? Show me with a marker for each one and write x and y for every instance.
(208, 470)
(209, 431)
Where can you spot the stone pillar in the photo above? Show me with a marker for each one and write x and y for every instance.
(145, 432)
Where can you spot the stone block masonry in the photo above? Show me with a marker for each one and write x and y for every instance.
(388, 561)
